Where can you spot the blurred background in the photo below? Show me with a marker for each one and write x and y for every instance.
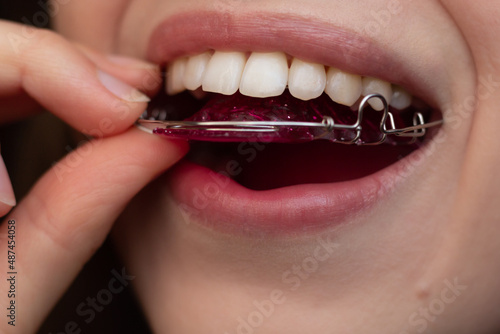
(29, 148)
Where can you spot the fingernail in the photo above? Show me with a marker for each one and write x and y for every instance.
(6, 192)
(120, 89)
(132, 62)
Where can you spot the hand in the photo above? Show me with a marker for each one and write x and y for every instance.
(69, 212)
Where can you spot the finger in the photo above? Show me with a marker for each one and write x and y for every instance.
(140, 74)
(63, 80)
(7, 198)
(69, 212)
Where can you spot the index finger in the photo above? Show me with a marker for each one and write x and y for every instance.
(58, 76)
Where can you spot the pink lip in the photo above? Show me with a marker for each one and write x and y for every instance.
(223, 204)
(220, 203)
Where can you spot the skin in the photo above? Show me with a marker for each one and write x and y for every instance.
(68, 213)
(429, 265)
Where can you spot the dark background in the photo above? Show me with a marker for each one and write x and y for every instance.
(29, 148)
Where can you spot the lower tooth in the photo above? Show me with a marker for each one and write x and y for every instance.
(377, 86)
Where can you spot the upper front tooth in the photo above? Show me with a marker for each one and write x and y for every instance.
(306, 81)
(175, 76)
(401, 99)
(265, 75)
(342, 87)
(223, 73)
(377, 86)
(195, 70)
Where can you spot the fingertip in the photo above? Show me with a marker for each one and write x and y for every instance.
(92, 99)
(169, 151)
(121, 89)
(138, 73)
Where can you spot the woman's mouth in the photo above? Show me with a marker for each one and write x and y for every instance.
(293, 184)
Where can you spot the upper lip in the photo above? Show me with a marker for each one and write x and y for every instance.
(320, 42)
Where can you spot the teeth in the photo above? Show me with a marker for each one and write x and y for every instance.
(343, 88)
(175, 76)
(195, 70)
(306, 81)
(223, 73)
(265, 75)
(377, 86)
(401, 99)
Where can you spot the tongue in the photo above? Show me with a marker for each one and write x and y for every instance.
(282, 108)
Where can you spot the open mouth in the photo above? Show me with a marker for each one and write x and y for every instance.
(237, 86)
(257, 179)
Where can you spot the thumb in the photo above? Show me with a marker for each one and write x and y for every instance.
(70, 211)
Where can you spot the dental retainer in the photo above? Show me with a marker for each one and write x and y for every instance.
(294, 131)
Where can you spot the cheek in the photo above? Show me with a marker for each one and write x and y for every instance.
(91, 22)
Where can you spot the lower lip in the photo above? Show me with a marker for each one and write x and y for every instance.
(221, 204)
